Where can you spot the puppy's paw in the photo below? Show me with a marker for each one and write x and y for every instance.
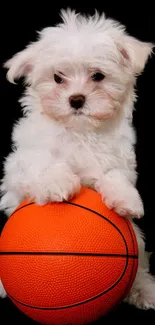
(126, 203)
(142, 299)
(2, 290)
(56, 185)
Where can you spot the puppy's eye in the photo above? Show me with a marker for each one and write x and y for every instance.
(98, 76)
(58, 79)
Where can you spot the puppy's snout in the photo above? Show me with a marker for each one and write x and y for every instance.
(77, 101)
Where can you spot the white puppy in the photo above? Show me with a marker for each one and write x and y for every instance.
(76, 127)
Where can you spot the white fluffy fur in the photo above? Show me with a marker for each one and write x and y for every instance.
(56, 148)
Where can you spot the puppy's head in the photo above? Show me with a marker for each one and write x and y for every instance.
(83, 70)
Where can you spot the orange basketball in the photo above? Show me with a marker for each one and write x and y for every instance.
(67, 263)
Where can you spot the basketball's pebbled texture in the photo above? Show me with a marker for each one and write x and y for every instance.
(67, 263)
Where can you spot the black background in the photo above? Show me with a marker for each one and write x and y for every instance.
(18, 26)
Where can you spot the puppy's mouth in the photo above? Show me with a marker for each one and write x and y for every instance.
(91, 115)
(79, 112)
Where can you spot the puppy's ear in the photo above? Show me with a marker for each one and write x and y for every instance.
(21, 64)
(134, 53)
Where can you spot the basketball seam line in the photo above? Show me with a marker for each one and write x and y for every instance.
(131, 276)
(133, 266)
(71, 253)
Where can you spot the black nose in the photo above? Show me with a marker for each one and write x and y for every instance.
(77, 101)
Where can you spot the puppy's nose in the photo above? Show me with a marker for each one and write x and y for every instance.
(77, 101)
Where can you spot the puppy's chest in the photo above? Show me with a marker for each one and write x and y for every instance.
(88, 153)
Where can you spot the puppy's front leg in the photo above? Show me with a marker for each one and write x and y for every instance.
(37, 175)
(120, 194)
